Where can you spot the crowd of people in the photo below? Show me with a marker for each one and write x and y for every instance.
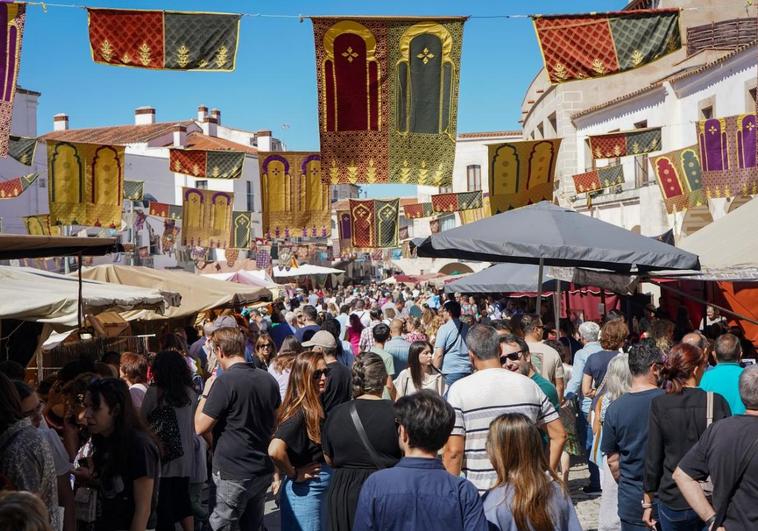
(387, 408)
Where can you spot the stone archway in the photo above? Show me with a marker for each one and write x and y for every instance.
(455, 268)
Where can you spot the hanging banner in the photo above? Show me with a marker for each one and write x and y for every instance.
(374, 222)
(592, 45)
(208, 164)
(12, 18)
(86, 184)
(469, 216)
(296, 201)
(457, 202)
(728, 149)
(165, 210)
(15, 187)
(134, 190)
(388, 98)
(521, 173)
(263, 256)
(206, 217)
(599, 178)
(169, 237)
(680, 178)
(242, 229)
(172, 40)
(418, 210)
(38, 225)
(22, 148)
(635, 142)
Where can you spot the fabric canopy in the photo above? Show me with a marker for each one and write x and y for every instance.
(305, 270)
(251, 278)
(31, 294)
(23, 246)
(501, 278)
(198, 292)
(729, 242)
(558, 236)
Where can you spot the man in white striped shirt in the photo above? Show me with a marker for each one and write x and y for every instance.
(480, 398)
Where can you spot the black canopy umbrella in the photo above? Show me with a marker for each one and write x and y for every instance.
(501, 278)
(546, 234)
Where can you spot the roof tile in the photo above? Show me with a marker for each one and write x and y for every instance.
(115, 135)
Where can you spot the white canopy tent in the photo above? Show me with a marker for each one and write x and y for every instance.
(304, 270)
(30, 294)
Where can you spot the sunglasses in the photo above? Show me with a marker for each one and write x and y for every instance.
(513, 356)
(318, 373)
(265, 345)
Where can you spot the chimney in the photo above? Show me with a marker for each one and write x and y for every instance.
(263, 138)
(209, 126)
(144, 116)
(202, 112)
(216, 113)
(60, 122)
(180, 135)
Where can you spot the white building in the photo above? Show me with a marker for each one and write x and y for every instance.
(647, 96)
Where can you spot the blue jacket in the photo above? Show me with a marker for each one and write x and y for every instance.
(417, 494)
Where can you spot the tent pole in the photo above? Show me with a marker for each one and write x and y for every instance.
(557, 305)
(539, 286)
(79, 305)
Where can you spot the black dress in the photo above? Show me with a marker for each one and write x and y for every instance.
(350, 460)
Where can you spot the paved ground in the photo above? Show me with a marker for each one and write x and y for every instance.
(586, 507)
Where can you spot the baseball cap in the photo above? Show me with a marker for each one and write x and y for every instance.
(322, 339)
(225, 321)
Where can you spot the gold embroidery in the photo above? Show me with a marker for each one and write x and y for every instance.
(352, 173)
(637, 57)
(106, 50)
(560, 72)
(182, 56)
(371, 171)
(405, 172)
(635, 148)
(203, 64)
(221, 56)
(423, 172)
(617, 150)
(177, 166)
(349, 54)
(425, 56)
(598, 66)
(195, 169)
(334, 173)
(126, 58)
(215, 172)
(144, 54)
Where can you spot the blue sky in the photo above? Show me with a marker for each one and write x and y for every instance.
(274, 85)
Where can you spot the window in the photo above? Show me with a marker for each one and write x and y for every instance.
(707, 108)
(202, 184)
(250, 197)
(473, 177)
(553, 121)
(589, 159)
(446, 189)
(750, 103)
(641, 176)
(447, 222)
(335, 194)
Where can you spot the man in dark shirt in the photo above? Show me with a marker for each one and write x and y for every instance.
(728, 452)
(339, 383)
(418, 493)
(625, 433)
(239, 407)
(305, 332)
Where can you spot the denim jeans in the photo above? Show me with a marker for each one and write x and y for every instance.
(673, 520)
(584, 431)
(239, 503)
(626, 526)
(454, 377)
(303, 504)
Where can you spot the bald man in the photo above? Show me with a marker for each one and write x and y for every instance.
(397, 346)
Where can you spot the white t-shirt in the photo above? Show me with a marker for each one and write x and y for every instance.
(550, 365)
(479, 399)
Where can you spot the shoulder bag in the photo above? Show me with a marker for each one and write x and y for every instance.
(706, 484)
(373, 455)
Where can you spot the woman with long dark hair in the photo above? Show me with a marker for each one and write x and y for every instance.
(168, 408)
(126, 459)
(354, 330)
(420, 373)
(281, 366)
(528, 494)
(343, 447)
(677, 420)
(296, 446)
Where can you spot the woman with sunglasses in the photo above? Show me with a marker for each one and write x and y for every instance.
(264, 351)
(343, 447)
(420, 373)
(125, 457)
(296, 447)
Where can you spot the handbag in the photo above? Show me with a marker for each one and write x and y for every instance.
(364, 438)
(85, 502)
(706, 484)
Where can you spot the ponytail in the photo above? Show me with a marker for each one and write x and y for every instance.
(680, 365)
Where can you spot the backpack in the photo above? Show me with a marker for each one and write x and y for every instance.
(165, 425)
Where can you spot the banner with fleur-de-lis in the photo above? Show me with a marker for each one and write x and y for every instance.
(172, 40)
(374, 223)
(599, 178)
(13, 188)
(729, 155)
(388, 98)
(457, 202)
(584, 46)
(634, 142)
(208, 164)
